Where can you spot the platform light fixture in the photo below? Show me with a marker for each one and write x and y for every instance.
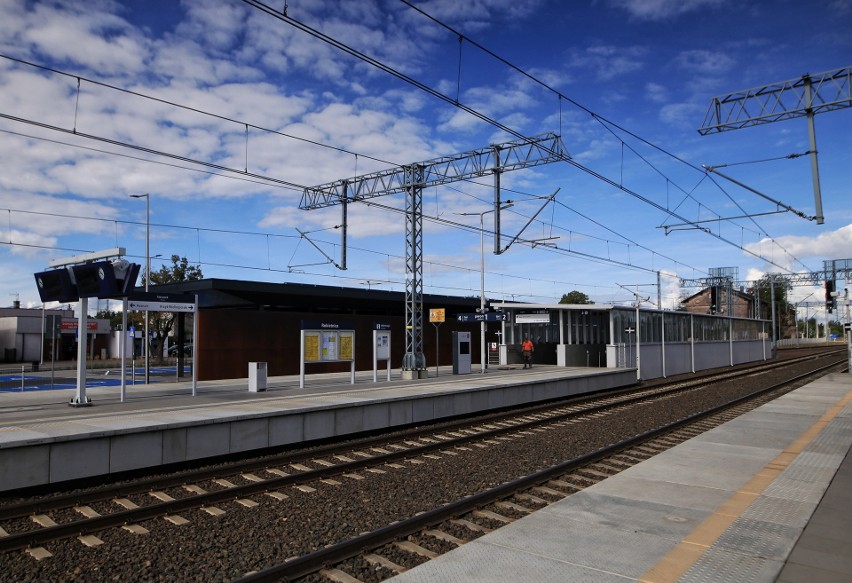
(147, 198)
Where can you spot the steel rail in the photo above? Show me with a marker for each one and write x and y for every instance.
(80, 527)
(614, 398)
(312, 562)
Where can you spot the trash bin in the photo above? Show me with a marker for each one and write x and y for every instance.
(257, 377)
(35, 367)
(11, 355)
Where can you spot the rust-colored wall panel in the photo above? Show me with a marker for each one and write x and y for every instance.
(229, 339)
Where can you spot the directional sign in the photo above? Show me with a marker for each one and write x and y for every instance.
(487, 317)
(161, 302)
(160, 306)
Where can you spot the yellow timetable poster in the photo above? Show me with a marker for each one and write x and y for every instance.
(345, 346)
(312, 346)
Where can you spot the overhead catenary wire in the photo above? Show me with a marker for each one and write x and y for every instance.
(601, 119)
(237, 176)
(261, 177)
(478, 114)
(233, 173)
(199, 230)
(243, 172)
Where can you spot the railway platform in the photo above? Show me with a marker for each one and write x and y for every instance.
(44, 441)
(766, 497)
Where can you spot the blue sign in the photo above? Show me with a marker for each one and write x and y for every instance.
(487, 317)
(381, 326)
(326, 325)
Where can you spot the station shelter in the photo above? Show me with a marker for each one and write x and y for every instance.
(240, 322)
(657, 343)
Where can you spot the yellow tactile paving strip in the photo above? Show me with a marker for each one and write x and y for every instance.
(681, 558)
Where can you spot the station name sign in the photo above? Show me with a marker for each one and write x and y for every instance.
(487, 317)
(532, 318)
(324, 325)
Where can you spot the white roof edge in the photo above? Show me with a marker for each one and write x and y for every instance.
(600, 307)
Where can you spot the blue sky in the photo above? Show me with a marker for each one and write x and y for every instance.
(636, 77)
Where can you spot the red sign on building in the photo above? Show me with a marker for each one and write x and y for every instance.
(72, 325)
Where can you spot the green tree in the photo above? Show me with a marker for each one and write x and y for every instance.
(835, 327)
(575, 297)
(113, 317)
(763, 288)
(162, 323)
(180, 270)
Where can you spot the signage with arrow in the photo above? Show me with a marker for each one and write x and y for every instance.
(487, 317)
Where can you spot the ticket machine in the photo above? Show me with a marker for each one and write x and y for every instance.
(461, 352)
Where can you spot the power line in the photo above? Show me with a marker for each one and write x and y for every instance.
(601, 119)
(245, 124)
(148, 160)
(266, 235)
(232, 177)
(239, 173)
(243, 173)
(434, 92)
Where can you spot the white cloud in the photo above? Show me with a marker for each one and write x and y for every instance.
(88, 34)
(656, 92)
(664, 9)
(477, 15)
(703, 62)
(831, 244)
(218, 25)
(609, 61)
(687, 115)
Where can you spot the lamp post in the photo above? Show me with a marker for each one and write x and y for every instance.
(147, 342)
(796, 317)
(482, 277)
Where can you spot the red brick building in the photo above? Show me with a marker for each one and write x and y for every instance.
(743, 305)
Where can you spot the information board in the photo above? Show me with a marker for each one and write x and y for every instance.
(327, 342)
(382, 345)
(329, 345)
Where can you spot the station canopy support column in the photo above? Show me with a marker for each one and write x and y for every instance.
(414, 358)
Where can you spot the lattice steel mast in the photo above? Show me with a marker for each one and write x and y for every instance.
(411, 179)
(832, 269)
(806, 96)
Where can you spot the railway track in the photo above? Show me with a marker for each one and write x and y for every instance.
(335, 562)
(33, 526)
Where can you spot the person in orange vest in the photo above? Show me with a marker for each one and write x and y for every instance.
(527, 349)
